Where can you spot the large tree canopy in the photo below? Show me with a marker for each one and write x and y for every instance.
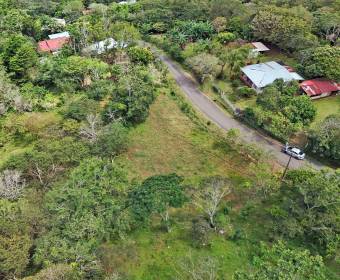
(283, 27)
(310, 208)
(321, 62)
(282, 263)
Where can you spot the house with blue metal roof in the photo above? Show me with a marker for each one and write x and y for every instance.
(261, 75)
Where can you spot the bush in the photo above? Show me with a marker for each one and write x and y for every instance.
(246, 92)
(205, 66)
(193, 49)
(200, 233)
(226, 37)
(99, 89)
(159, 27)
(113, 140)
(80, 108)
(140, 55)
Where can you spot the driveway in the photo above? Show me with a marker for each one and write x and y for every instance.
(215, 114)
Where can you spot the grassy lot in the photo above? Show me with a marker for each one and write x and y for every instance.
(154, 255)
(325, 107)
(170, 142)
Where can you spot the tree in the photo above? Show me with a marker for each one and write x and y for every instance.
(204, 65)
(16, 21)
(82, 212)
(132, 97)
(283, 27)
(220, 24)
(48, 159)
(325, 138)
(310, 208)
(18, 56)
(301, 110)
(209, 197)
(112, 140)
(157, 194)
(72, 72)
(236, 58)
(10, 97)
(191, 31)
(72, 9)
(140, 55)
(280, 262)
(90, 129)
(202, 268)
(321, 62)
(124, 33)
(80, 108)
(326, 21)
(227, 8)
(15, 239)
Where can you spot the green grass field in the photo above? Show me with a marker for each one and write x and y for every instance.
(325, 107)
(170, 142)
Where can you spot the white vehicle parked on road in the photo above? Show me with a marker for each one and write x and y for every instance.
(294, 152)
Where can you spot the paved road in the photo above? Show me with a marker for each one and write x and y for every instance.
(214, 113)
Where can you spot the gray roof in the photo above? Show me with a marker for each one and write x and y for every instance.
(102, 46)
(127, 2)
(59, 35)
(259, 46)
(264, 74)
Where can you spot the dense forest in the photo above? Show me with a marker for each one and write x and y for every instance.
(108, 172)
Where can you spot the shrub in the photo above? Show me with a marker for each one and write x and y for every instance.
(140, 55)
(246, 92)
(200, 233)
(204, 66)
(226, 37)
(112, 140)
(80, 108)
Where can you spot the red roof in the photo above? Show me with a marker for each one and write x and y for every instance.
(52, 45)
(319, 86)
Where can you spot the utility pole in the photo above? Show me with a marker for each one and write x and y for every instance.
(286, 169)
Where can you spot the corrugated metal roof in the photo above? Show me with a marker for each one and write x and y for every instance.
(102, 46)
(52, 45)
(59, 35)
(259, 46)
(264, 74)
(319, 86)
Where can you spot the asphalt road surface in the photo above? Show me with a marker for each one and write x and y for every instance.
(215, 114)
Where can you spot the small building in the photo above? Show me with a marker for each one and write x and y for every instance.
(102, 46)
(53, 45)
(261, 75)
(59, 35)
(319, 88)
(127, 2)
(257, 48)
(260, 47)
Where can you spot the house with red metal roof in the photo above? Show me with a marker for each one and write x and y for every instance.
(53, 45)
(319, 88)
